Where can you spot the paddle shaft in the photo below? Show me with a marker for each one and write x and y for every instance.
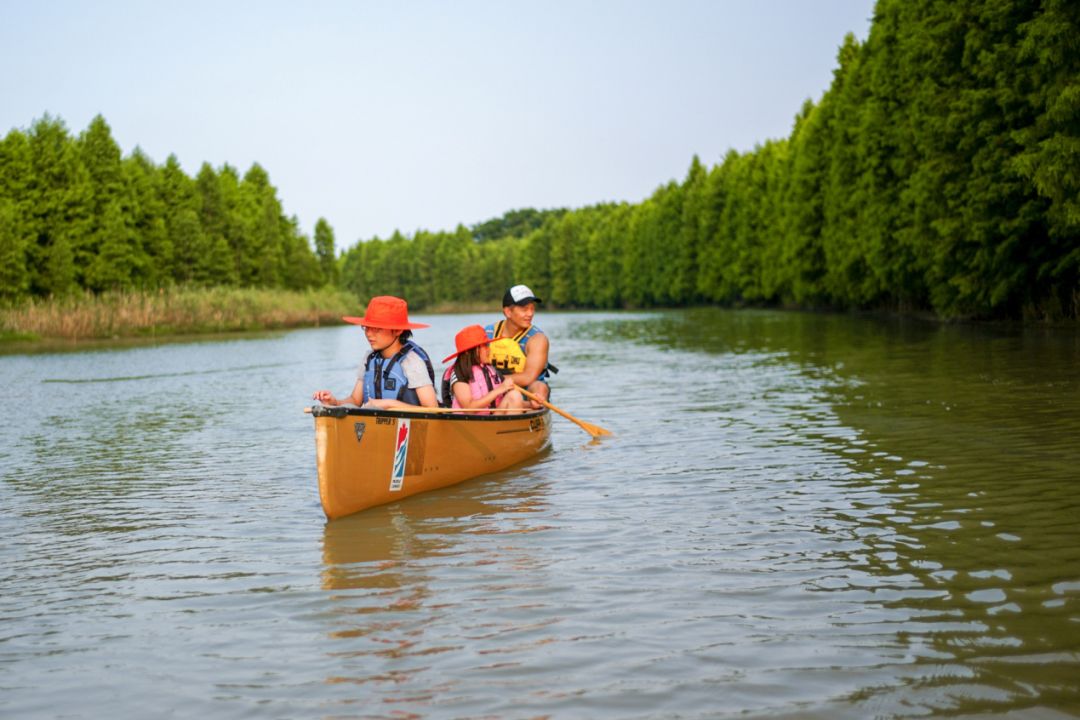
(594, 430)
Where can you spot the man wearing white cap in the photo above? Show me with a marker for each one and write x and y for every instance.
(520, 349)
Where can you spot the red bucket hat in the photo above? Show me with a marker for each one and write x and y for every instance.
(387, 312)
(469, 338)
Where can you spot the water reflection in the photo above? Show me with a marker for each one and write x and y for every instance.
(385, 566)
(960, 503)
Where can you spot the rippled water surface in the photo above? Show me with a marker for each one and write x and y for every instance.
(797, 516)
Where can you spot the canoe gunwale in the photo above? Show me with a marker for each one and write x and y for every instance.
(339, 411)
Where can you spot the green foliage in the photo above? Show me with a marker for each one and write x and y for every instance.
(606, 247)
(326, 252)
(940, 172)
(513, 224)
(14, 278)
(55, 202)
(77, 215)
(148, 220)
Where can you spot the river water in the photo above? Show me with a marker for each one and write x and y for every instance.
(797, 516)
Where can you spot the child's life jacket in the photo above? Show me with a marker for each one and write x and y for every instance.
(484, 379)
(385, 379)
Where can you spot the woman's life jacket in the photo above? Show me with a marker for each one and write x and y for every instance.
(385, 379)
(485, 378)
(508, 353)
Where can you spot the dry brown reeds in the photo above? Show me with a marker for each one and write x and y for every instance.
(178, 310)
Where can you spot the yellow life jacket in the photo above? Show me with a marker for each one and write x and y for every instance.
(506, 353)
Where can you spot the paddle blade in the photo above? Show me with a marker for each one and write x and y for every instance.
(594, 430)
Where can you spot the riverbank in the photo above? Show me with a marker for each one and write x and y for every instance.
(167, 312)
(183, 313)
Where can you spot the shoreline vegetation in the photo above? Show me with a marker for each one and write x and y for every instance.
(935, 176)
(170, 312)
(181, 314)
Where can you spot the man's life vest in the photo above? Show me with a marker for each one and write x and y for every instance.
(484, 379)
(385, 379)
(508, 353)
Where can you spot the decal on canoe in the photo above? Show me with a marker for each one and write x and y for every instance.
(359, 428)
(401, 452)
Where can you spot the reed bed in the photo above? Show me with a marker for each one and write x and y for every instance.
(172, 311)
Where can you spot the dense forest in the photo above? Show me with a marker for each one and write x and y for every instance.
(76, 215)
(940, 172)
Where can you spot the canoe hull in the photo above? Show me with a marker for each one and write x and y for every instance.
(371, 457)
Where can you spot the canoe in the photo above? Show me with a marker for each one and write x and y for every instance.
(370, 457)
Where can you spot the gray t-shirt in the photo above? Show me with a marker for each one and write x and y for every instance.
(415, 370)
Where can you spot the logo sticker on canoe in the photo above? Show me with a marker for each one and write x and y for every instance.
(401, 450)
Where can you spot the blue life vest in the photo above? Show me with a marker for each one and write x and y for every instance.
(385, 379)
(522, 338)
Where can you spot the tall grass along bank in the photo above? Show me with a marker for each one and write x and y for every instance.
(179, 310)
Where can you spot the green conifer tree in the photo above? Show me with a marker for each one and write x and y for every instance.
(148, 219)
(216, 261)
(326, 252)
(107, 221)
(58, 208)
(14, 275)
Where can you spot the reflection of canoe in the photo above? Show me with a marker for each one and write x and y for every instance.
(387, 547)
(370, 457)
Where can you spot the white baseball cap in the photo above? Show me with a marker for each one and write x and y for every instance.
(519, 295)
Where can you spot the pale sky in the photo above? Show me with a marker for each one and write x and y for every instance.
(422, 115)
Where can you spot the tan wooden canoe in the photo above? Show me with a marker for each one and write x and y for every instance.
(370, 457)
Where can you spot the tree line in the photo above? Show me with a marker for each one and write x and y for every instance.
(75, 215)
(940, 172)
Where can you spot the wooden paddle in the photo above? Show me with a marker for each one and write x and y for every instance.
(594, 430)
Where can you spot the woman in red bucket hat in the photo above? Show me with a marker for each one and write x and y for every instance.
(397, 373)
(472, 381)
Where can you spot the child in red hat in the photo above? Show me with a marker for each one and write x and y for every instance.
(397, 373)
(472, 381)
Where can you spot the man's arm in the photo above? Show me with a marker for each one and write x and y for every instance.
(536, 359)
